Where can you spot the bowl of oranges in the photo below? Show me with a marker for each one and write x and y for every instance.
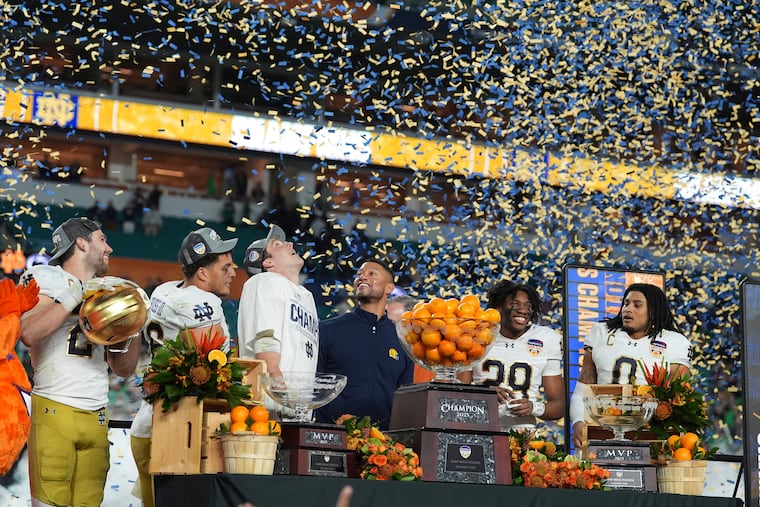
(446, 336)
(620, 413)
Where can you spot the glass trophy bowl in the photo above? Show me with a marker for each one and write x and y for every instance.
(620, 413)
(446, 345)
(303, 391)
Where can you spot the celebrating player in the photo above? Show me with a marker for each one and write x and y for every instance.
(614, 347)
(524, 357)
(278, 320)
(68, 444)
(193, 303)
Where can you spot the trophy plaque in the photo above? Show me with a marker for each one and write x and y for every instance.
(460, 456)
(628, 462)
(445, 406)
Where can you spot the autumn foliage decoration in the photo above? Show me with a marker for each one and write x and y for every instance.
(193, 364)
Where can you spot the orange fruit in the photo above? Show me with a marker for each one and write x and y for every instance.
(260, 427)
(682, 454)
(452, 331)
(218, 356)
(492, 315)
(259, 413)
(238, 427)
(468, 325)
(407, 315)
(472, 300)
(437, 305)
(476, 352)
(239, 414)
(412, 337)
(464, 342)
(674, 441)
(459, 356)
(418, 350)
(465, 311)
(437, 321)
(689, 441)
(421, 316)
(274, 427)
(433, 355)
(431, 337)
(479, 314)
(451, 306)
(447, 348)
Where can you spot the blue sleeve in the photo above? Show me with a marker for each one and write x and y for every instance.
(322, 349)
(408, 376)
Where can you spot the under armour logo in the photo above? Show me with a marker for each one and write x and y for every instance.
(102, 417)
(203, 312)
(309, 350)
(509, 345)
(632, 342)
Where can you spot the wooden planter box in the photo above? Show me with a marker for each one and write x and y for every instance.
(181, 440)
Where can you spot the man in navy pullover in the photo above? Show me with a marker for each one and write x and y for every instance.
(364, 346)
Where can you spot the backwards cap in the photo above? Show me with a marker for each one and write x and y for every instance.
(66, 235)
(255, 251)
(201, 243)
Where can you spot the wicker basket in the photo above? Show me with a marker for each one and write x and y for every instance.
(249, 453)
(682, 477)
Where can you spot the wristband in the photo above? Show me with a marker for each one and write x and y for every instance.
(577, 407)
(539, 407)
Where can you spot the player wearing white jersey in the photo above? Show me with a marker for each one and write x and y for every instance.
(192, 303)
(524, 358)
(68, 443)
(613, 347)
(278, 320)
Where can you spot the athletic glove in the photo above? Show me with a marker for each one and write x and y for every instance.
(70, 297)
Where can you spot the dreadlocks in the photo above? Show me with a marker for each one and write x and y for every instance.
(660, 317)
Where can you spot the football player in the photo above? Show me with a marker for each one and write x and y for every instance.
(68, 443)
(193, 303)
(523, 357)
(278, 320)
(614, 347)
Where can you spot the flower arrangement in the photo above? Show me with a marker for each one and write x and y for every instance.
(680, 408)
(520, 442)
(538, 471)
(193, 365)
(382, 459)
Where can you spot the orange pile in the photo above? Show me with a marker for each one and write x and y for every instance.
(449, 332)
(685, 447)
(255, 419)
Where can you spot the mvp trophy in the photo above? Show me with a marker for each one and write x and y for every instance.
(310, 448)
(628, 461)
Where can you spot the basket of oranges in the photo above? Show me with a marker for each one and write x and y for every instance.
(681, 465)
(447, 335)
(249, 446)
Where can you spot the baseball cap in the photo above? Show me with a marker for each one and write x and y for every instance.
(202, 242)
(255, 251)
(66, 234)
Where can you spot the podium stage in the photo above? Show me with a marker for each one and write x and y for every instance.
(222, 490)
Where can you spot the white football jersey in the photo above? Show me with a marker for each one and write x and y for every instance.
(173, 308)
(520, 365)
(273, 306)
(616, 354)
(68, 368)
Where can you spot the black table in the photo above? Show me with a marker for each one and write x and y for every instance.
(221, 490)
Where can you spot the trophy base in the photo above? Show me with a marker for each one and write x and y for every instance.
(459, 456)
(314, 449)
(628, 462)
(445, 406)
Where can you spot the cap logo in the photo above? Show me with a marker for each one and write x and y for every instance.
(199, 248)
(253, 256)
(57, 241)
(213, 235)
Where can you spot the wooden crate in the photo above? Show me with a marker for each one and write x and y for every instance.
(181, 441)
